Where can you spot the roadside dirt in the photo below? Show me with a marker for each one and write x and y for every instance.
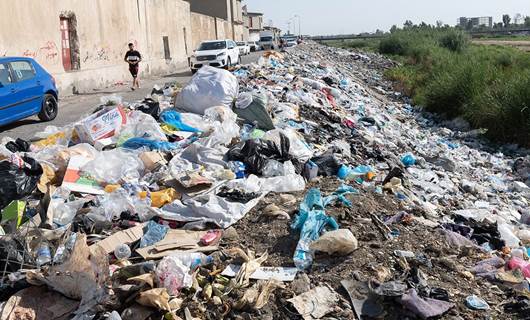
(522, 45)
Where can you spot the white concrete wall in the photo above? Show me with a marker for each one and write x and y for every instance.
(104, 28)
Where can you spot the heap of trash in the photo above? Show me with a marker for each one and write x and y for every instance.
(298, 187)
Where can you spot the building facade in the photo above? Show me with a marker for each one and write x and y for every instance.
(226, 16)
(83, 43)
(476, 22)
(254, 23)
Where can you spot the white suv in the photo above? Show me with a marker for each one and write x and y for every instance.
(215, 53)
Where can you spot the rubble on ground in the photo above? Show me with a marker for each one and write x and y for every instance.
(299, 187)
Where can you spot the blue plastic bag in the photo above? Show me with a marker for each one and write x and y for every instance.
(138, 143)
(311, 221)
(155, 233)
(408, 160)
(174, 119)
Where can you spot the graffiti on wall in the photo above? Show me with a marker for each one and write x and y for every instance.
(49, 52)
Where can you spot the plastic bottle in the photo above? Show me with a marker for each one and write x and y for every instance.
(122, 252)
(358, 173)
(192, 259)
(63, 249)
(43, 254)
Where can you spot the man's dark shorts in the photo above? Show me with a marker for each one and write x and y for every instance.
(134, 70)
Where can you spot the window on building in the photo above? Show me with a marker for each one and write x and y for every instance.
(167, 53)
(23, 70)
(69, 43)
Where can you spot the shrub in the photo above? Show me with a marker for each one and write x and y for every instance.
(454, 40)
(505, 60)
(393, 45)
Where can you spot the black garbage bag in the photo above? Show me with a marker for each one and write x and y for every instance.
(328, 165)
(150, 107)
(17, 183)
(255, 153)
(18, 145)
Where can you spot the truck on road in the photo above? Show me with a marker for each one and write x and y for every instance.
(268, 40)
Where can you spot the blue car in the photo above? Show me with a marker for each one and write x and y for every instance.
(26, 89)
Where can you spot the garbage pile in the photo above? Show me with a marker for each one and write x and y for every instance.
(299, 187)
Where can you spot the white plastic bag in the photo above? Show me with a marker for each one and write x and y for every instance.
(115, 167)
(209, 87)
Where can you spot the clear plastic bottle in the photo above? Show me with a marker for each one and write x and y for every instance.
(193, 259)
(303, 255)
(63, 249)
(122, 252)
(43, 254)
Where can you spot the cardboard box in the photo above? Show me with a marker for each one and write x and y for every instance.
(101, 125)
(77, 183)
(152, 160)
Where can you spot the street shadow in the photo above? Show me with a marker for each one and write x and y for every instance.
(18, 123)
(178, 74)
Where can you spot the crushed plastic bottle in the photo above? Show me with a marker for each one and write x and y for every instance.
(122, 252)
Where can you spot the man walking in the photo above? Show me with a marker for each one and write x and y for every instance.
(133, 58)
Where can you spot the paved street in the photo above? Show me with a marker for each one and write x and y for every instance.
(73, 108)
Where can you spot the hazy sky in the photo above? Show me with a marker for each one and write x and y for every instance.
(321, 17)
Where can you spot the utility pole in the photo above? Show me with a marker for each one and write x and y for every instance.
(299, 25)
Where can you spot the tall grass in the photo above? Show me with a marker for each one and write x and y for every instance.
(442, 71)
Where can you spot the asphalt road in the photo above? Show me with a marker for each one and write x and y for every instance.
(74, 108)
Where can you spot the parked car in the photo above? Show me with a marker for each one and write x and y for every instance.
(244, 48)
(215, 53)
(253, 46)
(26, 89)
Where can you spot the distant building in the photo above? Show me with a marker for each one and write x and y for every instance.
(255, 25)
(475, 22)
(217, 19)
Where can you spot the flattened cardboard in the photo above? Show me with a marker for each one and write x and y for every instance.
(176, 240)
(122, 237)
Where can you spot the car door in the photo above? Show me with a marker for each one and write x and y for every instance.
(7, 99)
(28, 88)
(235, 53)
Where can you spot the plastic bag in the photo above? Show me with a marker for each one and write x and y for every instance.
(141, 143)
(297, 148)
(209, 87)
(174, 119)
(115, 167)
(311, 221)
(17, 183)
(155, 233)
(225, 127)
(255, 153)
(274, 168)
(141, 125)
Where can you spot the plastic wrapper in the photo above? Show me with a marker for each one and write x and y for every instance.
(115, 167)
(298, 148)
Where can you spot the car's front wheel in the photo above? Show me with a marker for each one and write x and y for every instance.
(49, 109)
